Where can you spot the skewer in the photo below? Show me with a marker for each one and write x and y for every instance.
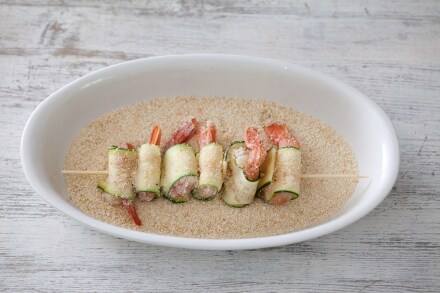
(85, 172)
(305, 176)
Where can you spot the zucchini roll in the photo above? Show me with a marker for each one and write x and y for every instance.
(147, 182)
(282, 178)
(210, 159)
(284, 184)
(121, 167)
(179, 168)
(243, 160)
(118, 186)
(179, 173)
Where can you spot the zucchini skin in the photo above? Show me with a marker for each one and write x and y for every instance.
(149, 168)
(211, 171)
(231, 146)
(287, 174)
(179, 161)
(239, 191)
(121, 166)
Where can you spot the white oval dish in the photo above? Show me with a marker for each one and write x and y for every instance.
(60, 117)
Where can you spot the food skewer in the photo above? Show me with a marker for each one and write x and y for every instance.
(328, 176)
(305, 176)
(176, 178)
(84, 172)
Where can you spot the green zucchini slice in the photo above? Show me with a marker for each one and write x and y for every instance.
(267, 170)
(286, 178)
(179, 173)
(211, 173)
(233, 145)
(239, 191)
(147, 181)
(121, 166)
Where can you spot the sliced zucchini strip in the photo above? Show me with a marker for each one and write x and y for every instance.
(239, 191)
(267, 170)
(179, 162)
(121, 167)
(210, 160)
(148, 171)
(287, 175)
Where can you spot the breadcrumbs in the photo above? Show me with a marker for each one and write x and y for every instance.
(323, 151)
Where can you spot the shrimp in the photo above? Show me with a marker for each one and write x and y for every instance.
(156, 135)
(257, 153)
(280, 135)
(207, 134)
(183, 133)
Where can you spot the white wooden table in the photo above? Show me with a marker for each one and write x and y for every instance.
(390, 50)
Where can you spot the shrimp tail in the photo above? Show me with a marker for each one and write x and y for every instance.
(156, 135)
(183, 133)
(206, 134)
(280, 135)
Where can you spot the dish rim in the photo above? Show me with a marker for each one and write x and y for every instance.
(214, 244)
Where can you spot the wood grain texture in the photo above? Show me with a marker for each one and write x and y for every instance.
(390, 50)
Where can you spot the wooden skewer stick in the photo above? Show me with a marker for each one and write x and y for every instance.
(92, 172)
(333, 176)
(79, 172)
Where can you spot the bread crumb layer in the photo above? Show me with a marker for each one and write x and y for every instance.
(323, 151)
